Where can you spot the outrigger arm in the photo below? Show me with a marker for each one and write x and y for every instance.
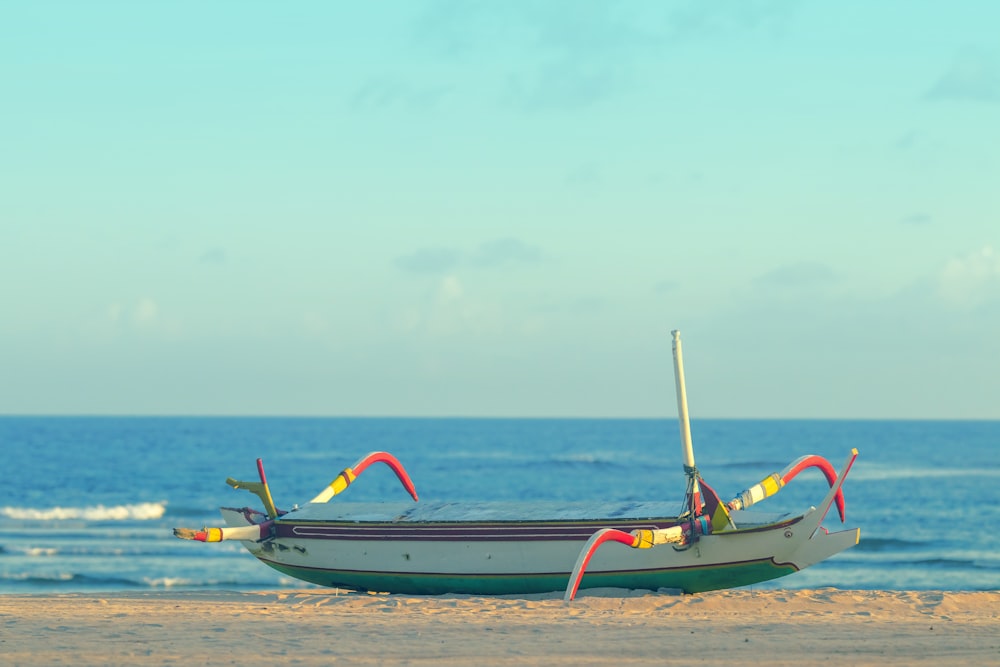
(776, 481)
(259, 489)
(255, 532)
(704, 513)
(645, 539)
(263, 530)
(349, 474)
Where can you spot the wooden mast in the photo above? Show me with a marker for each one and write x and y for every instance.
(692, 498)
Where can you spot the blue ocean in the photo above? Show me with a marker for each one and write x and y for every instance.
(89, 503)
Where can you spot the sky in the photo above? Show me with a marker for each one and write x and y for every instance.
(486, 208)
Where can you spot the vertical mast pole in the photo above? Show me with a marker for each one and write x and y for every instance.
(693, 496)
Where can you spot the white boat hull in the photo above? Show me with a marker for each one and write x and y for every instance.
(396, 549)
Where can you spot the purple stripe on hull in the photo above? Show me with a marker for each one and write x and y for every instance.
(456, 533)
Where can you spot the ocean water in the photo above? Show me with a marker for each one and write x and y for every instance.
(88, 504)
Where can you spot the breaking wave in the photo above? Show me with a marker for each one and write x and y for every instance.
(874, 472)
(129, 512)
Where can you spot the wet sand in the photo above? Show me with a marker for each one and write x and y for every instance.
(320, 627)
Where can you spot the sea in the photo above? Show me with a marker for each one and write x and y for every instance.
(88, 504)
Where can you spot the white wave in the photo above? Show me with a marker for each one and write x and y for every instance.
(40, 551)
(586, 457)
(26, 576)
(166, 582)
(133, 512)
(883, 473)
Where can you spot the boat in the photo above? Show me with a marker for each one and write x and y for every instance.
(520, 548)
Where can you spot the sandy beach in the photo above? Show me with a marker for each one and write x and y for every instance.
(314, 627)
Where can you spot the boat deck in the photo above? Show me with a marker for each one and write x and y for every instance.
(499, 511)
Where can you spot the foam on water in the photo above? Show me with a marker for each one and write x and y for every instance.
(129, 512)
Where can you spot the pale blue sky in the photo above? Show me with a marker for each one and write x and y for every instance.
(500, 208)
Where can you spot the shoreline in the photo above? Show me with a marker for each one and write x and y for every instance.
(320, 626)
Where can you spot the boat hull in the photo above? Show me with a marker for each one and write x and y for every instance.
(687, 579)
(428, 557)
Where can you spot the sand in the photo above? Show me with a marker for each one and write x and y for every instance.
(320, 627)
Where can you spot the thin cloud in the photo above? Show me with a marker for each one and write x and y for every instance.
(799, 274)
(584, 177)
(142, 316)
(141, 313)
(429, 260)
(390, 92)
(455, 30)
(580, 53)
(563, 85)
(450, 290)
(505, 252)
(451, 310)
(698, 19)
(970, 280)
(972, 76)
(213, 256)
(145, 313)
(916, 219)
(557, 30)
(498, 253)
(907, 142)
(666, 286)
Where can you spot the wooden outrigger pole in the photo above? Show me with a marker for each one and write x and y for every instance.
(692, 497)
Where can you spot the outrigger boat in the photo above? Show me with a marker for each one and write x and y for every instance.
(493, 548)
